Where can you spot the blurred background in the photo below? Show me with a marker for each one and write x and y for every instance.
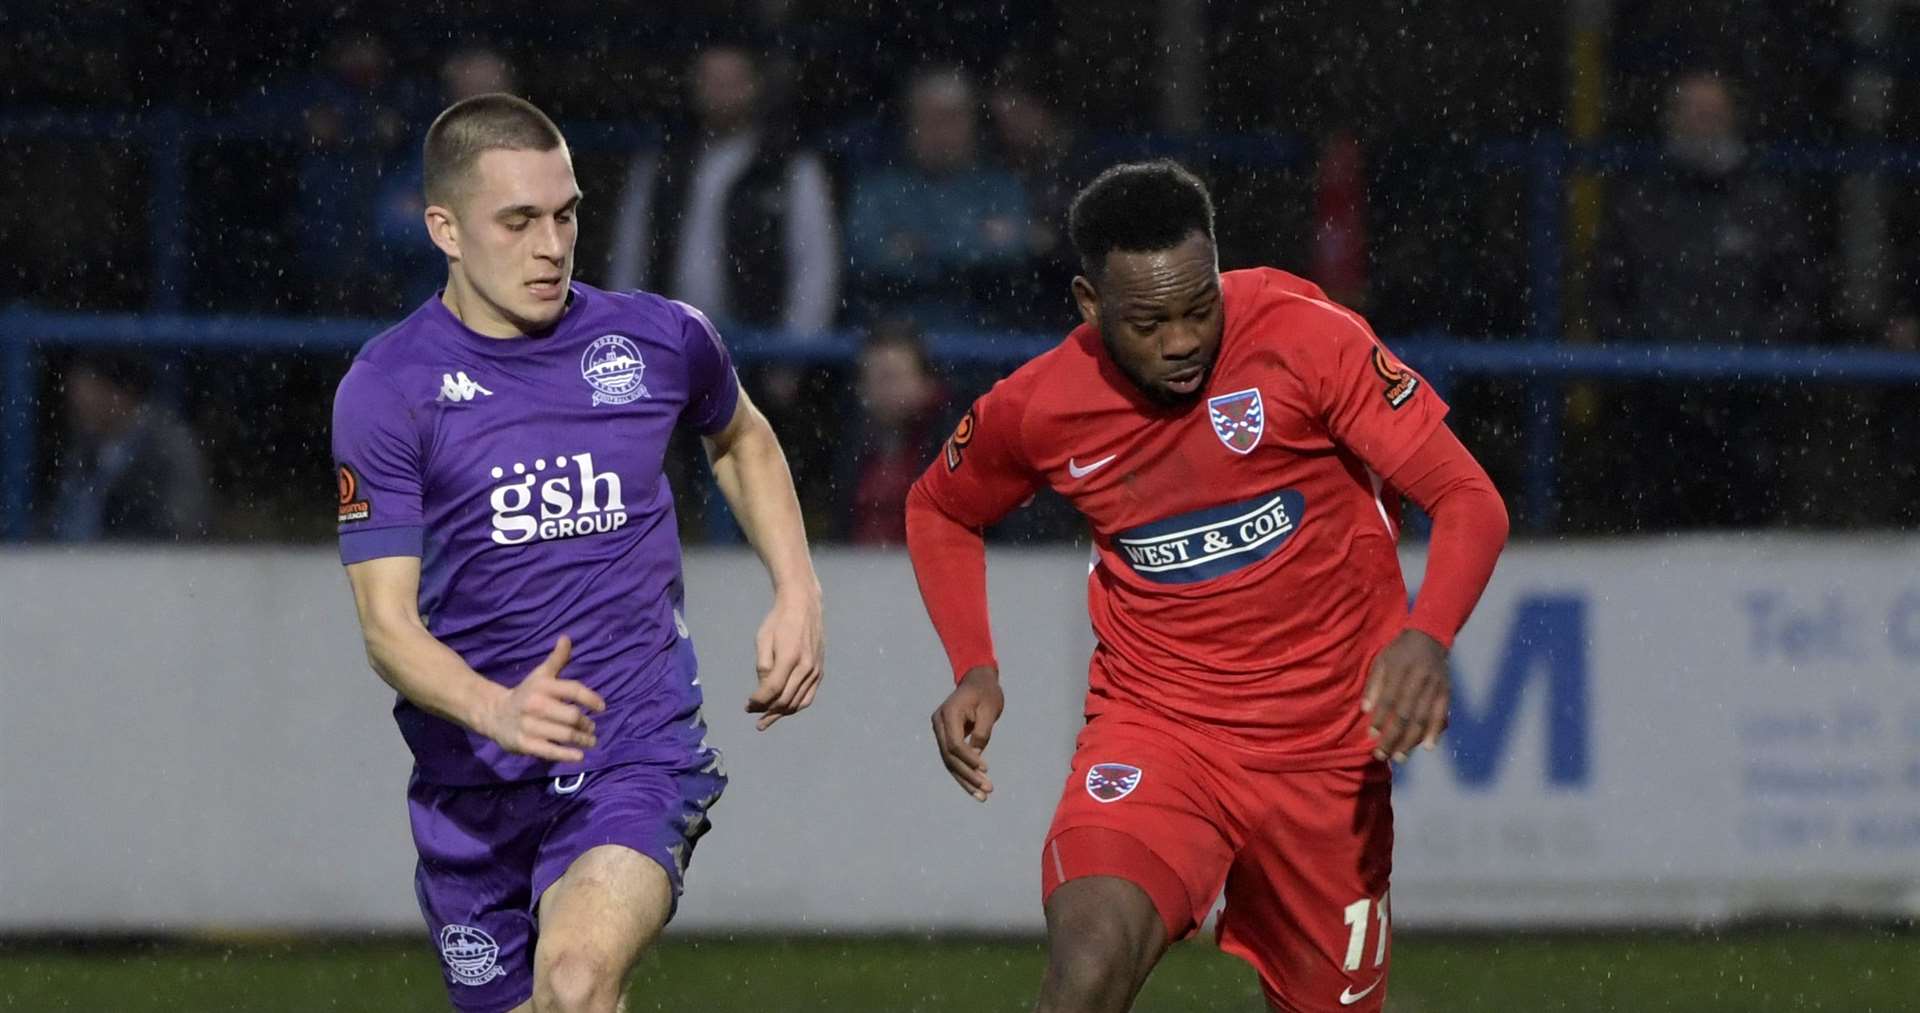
(1659, 258)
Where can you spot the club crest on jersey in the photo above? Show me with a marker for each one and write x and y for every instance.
(1238, 419)
(612, 367)
(1111, 782)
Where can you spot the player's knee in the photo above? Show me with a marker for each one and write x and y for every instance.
(576, 980)
(1086, 977)
(1093, 962)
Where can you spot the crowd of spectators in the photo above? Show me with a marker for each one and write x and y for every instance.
(912, 198)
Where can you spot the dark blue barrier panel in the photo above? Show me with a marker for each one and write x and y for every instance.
(1547, 158)
(1544, 366)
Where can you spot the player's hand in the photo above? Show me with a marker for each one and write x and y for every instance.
(546, 716)
(964, 723)
(1408, 694)
(790, 656)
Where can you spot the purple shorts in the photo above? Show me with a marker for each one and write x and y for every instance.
(487, 854)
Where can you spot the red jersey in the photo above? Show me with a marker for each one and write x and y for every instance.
(1245, 570)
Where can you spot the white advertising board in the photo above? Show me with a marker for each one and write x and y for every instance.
(1668, 731)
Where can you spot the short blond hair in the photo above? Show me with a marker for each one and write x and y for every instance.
(471, 127)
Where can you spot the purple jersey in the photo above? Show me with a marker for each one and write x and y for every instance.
(526, 475)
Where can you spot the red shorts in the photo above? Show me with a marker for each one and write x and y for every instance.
(1303, 856)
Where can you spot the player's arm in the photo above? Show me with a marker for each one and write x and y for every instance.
(790, 649)
(377, 446)
(544, 716)
(1407, 691)
(751, 470)
(1388, 416)
(979, 477)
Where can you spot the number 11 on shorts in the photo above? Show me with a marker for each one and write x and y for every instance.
(1356, 919)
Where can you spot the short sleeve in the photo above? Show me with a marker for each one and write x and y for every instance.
(1371, 402)
(713, 389)
(378, 468)
(982, 472)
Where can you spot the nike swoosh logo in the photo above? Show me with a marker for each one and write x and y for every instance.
(1348, 996)
(1079, 471)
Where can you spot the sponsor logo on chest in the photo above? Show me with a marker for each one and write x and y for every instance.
(1211, 542)
(572, 500)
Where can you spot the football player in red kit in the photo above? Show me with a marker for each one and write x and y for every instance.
(1240, 445)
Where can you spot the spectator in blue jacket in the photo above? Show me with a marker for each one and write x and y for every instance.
(941, 234)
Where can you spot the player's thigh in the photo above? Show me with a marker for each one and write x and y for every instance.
(1306, 899)
(1141, 807)
(1102, 932)
(613, 861)
(606, 910)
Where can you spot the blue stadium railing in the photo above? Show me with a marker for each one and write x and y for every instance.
(1544, 367)
(166, 137)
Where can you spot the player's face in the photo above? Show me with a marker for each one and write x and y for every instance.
(1161, 316)
(510, 241)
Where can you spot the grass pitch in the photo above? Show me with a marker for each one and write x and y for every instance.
(1827, 968)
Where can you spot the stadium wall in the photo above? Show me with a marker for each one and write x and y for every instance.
(1659, 732)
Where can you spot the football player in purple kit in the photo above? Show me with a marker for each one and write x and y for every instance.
(513, 553)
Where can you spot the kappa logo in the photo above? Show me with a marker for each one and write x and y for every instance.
(1238, 419)
(613, 368)
(1111, 782)
(472, 957)
(460, 387)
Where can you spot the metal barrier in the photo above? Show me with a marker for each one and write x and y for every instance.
(1544, 366)
(168, 134)
(1537, 358)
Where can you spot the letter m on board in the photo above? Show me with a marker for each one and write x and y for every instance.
(1546, 645)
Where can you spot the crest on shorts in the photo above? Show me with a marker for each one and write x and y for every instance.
(1238, 419)
(1111, 782)
(472, 957)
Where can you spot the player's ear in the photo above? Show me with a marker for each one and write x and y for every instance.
(442, 229)
(1087, 298)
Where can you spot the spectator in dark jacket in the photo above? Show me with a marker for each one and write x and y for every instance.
(1704, 249)
(729, 215)
(1701, 250)
(130, 468)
